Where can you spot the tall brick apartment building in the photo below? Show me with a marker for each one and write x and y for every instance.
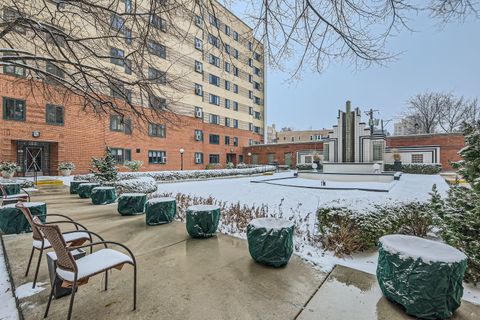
(221, 109)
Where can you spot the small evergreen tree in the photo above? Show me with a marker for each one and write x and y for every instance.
(105, 168)
(469, 167)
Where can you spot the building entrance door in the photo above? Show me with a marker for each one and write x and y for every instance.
(232, 157)
(33, 160)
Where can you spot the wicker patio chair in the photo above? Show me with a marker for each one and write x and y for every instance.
(76, 237)
(13, 198)
(74, 273)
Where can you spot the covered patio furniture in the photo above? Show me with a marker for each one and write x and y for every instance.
(424, 276)
(75, 237)
(74, 185)
(84, 190)
(270, 241)
(103, 195)
(14, 194)
(202, 220)
(74, 273)
(160, 211)
(12, 220)
(130, 204)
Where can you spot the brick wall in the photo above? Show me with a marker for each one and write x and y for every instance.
(280, 150)
(85, 134)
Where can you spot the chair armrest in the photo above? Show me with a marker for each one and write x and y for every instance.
(89, 233)
(76, 224)
(105, 244)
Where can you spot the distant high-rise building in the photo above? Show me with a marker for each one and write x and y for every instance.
(407, 126)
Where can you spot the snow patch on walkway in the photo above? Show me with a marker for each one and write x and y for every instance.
(8, 307)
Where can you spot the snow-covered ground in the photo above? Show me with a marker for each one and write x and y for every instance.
(8, 308)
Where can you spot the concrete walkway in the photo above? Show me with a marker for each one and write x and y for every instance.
(183, 278)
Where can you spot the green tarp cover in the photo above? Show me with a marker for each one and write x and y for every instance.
(84, 190)
(160, 211)
(11, 188)
(131, 203)
(74, 185)
(103, 195)
(426, 289)
(202, 220)
(270, 241)
(13, 221)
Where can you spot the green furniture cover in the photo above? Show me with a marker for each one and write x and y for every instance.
(11, 188)
(202, 220)
(74, 185)
(270, 241)
(103, 195)
(160, 211)
(423, 276)
(130, 204)
(84, 190)
(13, 221)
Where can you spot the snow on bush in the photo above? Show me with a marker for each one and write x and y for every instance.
(139, 185)
(417, 168)
(186, 174)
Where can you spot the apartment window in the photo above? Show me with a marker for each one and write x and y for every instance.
(121, 155)
(158, 22)
(227, 85)
(235, 141)
(257, 100)
(250, 62)
(326, 152)
(117, 23)
(417, 158)
(235, 71)
(198, 112)
(214, 119)
(198, 135)
(214, 60)
(235, 35)
(227, 103)
(214, 21)
(198, 44)
(213, 79)
(377, 150)
(227, 66)
(13, 69)
(119, 123)
(227, 30)
(250, 94)
(198, 89)
(199, 21)
(128, 6)
(257, 130)
(250, 126)
(256, 71)
(157, 157)
(157, 130)
(198, 66)
(214, 139)
(54, 70)
(250, 45)
(10, 15)
(227, 49)
(227, 140)
(256, 86)
(54, 114)
(227, 122)
(198, 158)
(214, 41)
(250, 111)
(257, 56)
(235, 88)
(214, 158)
(157, 76)
(235, 123)
(117, 90)
(235, 106)
(235, 53)
(214, 99)
(14, 109)
(157, 49)
(257, 115)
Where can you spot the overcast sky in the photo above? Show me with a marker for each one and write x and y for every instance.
(434, 58)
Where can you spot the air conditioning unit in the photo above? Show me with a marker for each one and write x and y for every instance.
(198, 67)
(199, 113)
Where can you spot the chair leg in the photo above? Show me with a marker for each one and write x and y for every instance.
(38, 268)
(29, 261)
(134, 287)
(106, 280)
(50, 297)
(72, 298)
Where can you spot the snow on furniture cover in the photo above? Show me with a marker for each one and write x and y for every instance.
(74, 185)
(270, 241)
(84, 190)
(103, 195)
(202, 220)
(11, 188)
(423, 276)
(160, 211)
(13, 221)
(130, 204)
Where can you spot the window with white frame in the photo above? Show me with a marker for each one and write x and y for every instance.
(417, 158)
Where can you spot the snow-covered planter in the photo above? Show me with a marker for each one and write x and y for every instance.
(141, 185)
(66, 168)
(8, 169)
(423, 276)
(186, 174)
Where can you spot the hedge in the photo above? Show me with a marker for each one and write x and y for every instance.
(416, 168)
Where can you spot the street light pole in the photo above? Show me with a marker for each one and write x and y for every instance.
(182, 151)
